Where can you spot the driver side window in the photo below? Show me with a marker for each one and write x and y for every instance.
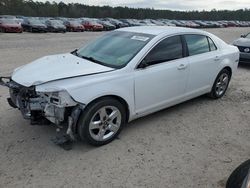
(168, 49)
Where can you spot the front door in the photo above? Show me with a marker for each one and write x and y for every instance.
(161, 77)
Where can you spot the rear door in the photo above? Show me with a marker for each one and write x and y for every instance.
(204, 60)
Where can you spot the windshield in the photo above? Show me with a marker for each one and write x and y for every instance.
(9, 21)
(115, 49)
(55, 22)
(74, 23)
(93, 22)
(35, 22)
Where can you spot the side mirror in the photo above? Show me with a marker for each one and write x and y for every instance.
(74, 51)
(243, 36)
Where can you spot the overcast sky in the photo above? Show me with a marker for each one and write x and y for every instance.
(169, 4)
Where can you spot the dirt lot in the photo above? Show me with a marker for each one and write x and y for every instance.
(195, 144)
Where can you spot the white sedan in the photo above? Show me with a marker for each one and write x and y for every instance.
(123, 75)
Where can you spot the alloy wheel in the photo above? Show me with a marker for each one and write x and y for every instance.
(222, 84)
(105, 123)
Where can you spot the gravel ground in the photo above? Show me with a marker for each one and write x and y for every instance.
(195, 144)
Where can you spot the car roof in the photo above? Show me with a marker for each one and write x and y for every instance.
(157, 30)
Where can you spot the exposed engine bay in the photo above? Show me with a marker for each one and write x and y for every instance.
(44, 108)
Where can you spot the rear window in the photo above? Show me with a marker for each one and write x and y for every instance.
(211, 44)
(197, 44)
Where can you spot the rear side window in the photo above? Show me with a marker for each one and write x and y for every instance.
(211, 44)
(167, 50)
(197, 44)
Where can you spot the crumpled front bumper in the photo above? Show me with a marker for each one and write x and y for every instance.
(39, 110)
(39, 106)
(5, 81)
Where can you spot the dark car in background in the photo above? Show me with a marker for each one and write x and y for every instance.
(243, 45)
(116, 23)
(133, 22)
(33, 25)
(107, 26)
(74, 26)
(55, 26)
(178, 23)
(10, 26)
(147, 22)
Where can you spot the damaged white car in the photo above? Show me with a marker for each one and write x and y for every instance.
(125, 74)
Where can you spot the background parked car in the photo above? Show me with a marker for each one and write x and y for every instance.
(74, 26)
(91, 25)
(178, 23)
(63, 24)
(55, 26)
(115, 22)
(243, 45)
(167, 22)
(147, 23)
(157, 22)
(107, 26)
(33, 25)
(10, 26)
(130, 22)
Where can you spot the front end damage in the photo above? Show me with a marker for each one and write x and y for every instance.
(44, 107)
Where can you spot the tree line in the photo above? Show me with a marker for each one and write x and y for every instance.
(75, 10)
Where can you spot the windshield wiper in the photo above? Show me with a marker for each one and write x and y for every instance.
(92, 59)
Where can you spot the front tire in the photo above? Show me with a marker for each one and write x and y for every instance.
(102, 121)
(220, 85)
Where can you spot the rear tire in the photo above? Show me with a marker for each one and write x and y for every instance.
(102, 121)
(220, 84)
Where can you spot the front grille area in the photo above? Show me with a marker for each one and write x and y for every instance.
(242, 49)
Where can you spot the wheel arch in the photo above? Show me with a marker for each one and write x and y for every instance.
(229, 69)
(116, 97)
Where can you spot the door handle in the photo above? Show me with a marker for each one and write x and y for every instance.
(181, 67)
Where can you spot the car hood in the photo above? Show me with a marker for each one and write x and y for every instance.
(56, 67)
(242, 42)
